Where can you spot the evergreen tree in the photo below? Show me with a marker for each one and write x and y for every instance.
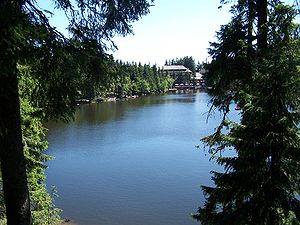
(33, 137)
(260, 184)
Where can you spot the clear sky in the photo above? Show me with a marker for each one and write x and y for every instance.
(174, 28)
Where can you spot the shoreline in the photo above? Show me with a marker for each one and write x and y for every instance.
(106, 99)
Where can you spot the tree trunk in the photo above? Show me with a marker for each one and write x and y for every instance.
(12, 160)
(13, 168)
(262, 26)
(251, 19)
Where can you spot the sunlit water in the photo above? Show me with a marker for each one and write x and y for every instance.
(133, 162)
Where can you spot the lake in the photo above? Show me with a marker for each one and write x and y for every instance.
(133, 162)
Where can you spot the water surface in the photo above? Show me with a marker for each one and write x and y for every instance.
(133, 162)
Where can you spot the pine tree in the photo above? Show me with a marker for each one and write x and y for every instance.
(260, 183)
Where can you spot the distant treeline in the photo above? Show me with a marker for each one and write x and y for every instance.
(124, 79)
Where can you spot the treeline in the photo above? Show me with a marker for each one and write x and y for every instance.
(123, 79)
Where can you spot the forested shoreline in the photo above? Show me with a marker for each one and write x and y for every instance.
(123, 79)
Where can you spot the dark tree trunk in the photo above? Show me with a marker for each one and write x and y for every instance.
(251, 18)
(262, 17)
(12, 160)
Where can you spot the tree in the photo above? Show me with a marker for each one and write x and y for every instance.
(34, 142)
(23, 24)
(260, 183)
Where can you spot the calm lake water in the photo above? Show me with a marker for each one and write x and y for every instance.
(133, 162)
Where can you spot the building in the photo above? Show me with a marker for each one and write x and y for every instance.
(179, 73)
(198, 79)
(176, 69)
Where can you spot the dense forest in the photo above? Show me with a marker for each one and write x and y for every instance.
(123, 80)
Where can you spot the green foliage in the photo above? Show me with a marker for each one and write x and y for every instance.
(126, 79)
(260, 184)
(34, 142)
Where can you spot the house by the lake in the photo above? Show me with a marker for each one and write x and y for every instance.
(179, 73)
(175, 69)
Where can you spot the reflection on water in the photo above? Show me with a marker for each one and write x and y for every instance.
(132, 162)
(109, 111)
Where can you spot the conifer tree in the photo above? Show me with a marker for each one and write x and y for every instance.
(254, 64)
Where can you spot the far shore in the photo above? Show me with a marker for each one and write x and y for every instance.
(106, 99)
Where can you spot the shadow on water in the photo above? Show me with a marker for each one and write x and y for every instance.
(115, 110)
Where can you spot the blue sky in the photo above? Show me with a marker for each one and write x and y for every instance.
(174, 28)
